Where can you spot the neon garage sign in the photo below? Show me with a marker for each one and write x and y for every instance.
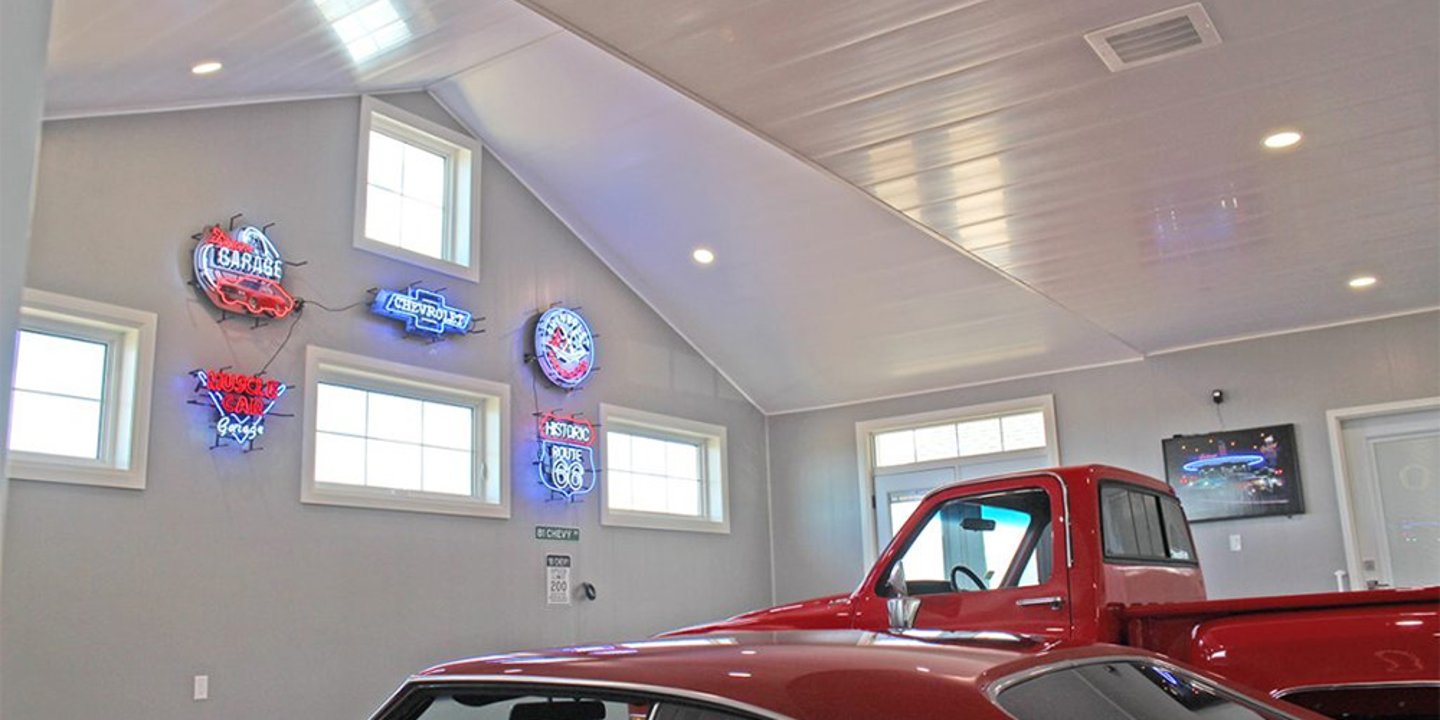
(242, 401)
(567, 455)
(423, 311)
(241, 272)
(564, 347)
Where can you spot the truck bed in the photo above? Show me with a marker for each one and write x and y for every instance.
(1281, 644)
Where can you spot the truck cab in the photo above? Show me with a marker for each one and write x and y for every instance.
(1039, 553)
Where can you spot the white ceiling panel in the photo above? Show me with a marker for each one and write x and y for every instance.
(818, 296)
(134, 55)
(1140, 200)
(903, 194)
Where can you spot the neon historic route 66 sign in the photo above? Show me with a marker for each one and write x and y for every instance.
(564, 347)
(567, 455)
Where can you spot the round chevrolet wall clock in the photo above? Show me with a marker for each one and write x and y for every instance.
(240, 272)
(564, 347)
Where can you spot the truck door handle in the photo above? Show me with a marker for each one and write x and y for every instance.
(1054, 601)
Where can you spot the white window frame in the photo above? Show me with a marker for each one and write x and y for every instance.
(491, 401)
(462, 186)
(125, 401)
(715, 488)
(866, 430)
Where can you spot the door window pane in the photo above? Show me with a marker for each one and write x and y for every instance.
(978, 437)
(1409, 496)
(895, 448)
(936, 443)
(1023, 431)
(975, 544)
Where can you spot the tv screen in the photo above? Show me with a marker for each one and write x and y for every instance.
(1235, 473)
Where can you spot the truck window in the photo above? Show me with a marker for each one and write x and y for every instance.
(984, 543)
(1139, 525)
(1135, 689)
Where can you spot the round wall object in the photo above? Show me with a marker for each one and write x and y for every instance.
(564, 347)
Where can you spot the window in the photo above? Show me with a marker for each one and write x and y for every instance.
(1024, 430)
(415, 191)
(902, 456)
(1143, 525)
(1139, 689)
(391, 436)
(662, 472)
(80, 405)
(519, 701)
(981, 543)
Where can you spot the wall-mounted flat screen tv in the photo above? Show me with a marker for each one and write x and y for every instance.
(1235, 473)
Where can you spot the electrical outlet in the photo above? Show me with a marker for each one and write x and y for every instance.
(202, 687)
(1234, 543)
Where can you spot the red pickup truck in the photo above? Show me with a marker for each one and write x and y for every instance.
(1101, 554)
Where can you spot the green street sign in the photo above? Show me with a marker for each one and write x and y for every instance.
(563, 534)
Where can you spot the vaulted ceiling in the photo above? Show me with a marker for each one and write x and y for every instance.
(902, 195)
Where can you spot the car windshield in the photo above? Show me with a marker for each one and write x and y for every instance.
(546, 704)
(1124, 690)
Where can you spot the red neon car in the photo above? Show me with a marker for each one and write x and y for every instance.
(253, 295)
(827, 675)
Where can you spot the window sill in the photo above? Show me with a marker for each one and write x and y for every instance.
(453, 269)
(402, 501)
(73, 473)
(659, 521)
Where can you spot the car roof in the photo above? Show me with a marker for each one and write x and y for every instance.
(798, 674)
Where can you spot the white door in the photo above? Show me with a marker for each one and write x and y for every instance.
(1392, 463)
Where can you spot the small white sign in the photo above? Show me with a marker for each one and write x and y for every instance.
(557, 579)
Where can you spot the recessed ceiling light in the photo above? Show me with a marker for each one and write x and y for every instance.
(704, 256)
(1283, 139)
(209, 67)
(1362, 281)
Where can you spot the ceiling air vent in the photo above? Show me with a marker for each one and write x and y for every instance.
(1154, 37)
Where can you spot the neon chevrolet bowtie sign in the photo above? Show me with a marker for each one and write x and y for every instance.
(241, 271)
(242, 402)
(423, 311)
(567, 455)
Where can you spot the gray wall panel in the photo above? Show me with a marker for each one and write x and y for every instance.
(114, 599)
(1118, 415)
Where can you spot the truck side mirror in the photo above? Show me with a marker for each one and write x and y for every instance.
(896, 582)
(902, 611)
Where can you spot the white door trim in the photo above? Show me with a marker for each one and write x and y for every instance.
(1334, 420)
(865, 429)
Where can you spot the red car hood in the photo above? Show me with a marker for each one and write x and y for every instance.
(823, 613)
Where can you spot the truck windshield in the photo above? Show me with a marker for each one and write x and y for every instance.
(981, 543)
